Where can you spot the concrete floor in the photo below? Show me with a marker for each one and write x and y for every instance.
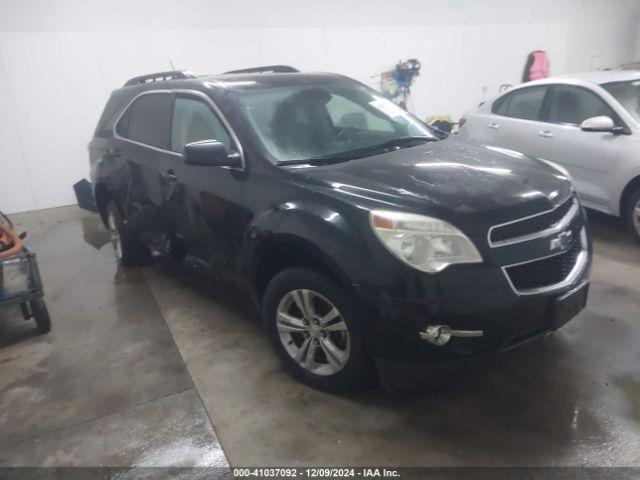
(107, 386)
(137, 358)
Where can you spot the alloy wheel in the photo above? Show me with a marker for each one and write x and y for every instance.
(116, 241)
(635, 214)
(313, 332)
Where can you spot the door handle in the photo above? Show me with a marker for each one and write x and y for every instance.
(493, 125)
(168, 176)
(545, 134)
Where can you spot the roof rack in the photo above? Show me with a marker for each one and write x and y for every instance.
(267, 69)
(160, 76)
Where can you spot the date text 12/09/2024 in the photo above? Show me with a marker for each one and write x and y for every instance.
(315, 473)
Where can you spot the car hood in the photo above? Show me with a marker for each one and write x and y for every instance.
(452, 177)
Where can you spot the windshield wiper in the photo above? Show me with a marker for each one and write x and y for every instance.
(400, 141)
(323, 160)
(360, 152)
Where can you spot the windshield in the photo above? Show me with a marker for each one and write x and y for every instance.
(628, 94)
(326, 121)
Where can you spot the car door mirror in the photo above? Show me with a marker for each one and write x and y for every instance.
(600, 123)
(210, 153)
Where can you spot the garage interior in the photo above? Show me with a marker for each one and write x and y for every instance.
(163, 366)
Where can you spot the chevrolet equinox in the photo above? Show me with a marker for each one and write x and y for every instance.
(365, 236)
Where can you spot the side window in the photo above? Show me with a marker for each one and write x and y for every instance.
(525, 103)
(122, 128)
(499, 107)
(109, 114)
(573, 105)
(147, 120)
(193, 120)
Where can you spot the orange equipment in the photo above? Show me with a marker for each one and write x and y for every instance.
(10, 243)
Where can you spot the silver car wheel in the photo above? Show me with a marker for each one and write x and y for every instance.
(116, 241)
(636, 216)
(313, 332)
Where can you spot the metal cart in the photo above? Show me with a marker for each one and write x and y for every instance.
(20, 282)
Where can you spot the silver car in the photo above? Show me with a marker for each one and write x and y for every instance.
(587, 123)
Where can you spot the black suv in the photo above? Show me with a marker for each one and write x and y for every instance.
(365, 236)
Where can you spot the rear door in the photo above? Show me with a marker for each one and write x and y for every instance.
(517, 119)
(142, 141)
(590, 157)
(512, 121)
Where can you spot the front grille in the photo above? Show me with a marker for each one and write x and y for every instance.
(545, 272)
(531, 225)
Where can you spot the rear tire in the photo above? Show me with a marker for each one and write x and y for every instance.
(321, 344)
(40, 314)
(127, 248)
(632, 214)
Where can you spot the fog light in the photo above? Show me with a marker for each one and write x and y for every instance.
(440, 334)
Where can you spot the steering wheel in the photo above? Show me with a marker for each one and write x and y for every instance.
(347, 133)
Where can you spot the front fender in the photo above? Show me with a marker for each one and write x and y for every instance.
(336, 238)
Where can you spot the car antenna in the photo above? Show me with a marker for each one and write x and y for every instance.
(172, 67)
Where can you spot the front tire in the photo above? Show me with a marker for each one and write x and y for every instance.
(313, 326)
(127, 248)
(632, 213)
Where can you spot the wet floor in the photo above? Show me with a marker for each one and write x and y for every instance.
(136, 357)
(107, 386)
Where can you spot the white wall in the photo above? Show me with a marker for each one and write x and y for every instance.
(637, 56)
(59, 60)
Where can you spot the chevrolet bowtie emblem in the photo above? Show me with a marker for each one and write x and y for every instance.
(562, 241)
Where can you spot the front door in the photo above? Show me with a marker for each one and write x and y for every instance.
(203, 203)
(590, 157)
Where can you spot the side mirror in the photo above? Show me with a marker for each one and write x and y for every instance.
(210, 153)
(601, 123)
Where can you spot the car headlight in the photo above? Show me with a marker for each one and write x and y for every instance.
(422, 242)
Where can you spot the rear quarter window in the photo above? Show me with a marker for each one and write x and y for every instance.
(499, 107)
(112, 109)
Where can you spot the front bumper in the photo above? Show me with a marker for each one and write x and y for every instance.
(395, 336)
(469, 298)
(406, 361)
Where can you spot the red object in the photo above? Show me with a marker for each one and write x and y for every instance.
(461, 122)
(537, 66)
